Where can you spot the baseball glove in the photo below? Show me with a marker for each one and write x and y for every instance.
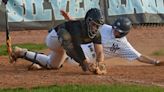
(97, 68)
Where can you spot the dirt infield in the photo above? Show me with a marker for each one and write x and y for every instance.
(145, 39)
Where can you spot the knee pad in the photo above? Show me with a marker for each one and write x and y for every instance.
(34, 61)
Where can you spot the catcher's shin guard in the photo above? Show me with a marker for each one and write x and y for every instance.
(32, 57)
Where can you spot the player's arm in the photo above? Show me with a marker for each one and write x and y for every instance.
(146, 59)
(138, 56)
(99, 66)
(77, 53)
(99, 52)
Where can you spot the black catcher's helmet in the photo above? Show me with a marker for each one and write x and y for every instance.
(93, 18)
(95, 15)
(122, 25)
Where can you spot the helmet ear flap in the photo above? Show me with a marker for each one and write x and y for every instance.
(88, 19)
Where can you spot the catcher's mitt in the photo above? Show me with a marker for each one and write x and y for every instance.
(97, 68)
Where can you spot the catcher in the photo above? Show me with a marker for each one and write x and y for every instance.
(66, 39)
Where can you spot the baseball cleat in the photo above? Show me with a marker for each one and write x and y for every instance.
(35, 67)
(17, 53)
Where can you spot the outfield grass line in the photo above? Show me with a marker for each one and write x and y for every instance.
(132, 81)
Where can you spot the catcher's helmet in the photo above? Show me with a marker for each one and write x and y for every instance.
(93, 18)
(122, 25)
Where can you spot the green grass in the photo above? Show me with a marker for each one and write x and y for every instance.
(159, 52)
(89, 88)
(29, 46)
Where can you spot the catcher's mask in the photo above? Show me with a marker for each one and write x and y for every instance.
(94, 20)
(122, 25)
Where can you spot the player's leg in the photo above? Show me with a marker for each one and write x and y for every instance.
(57, 59)
(58, 54)
(34, 57)
(54, 60)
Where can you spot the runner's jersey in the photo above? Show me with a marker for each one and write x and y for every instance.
(116, 47)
